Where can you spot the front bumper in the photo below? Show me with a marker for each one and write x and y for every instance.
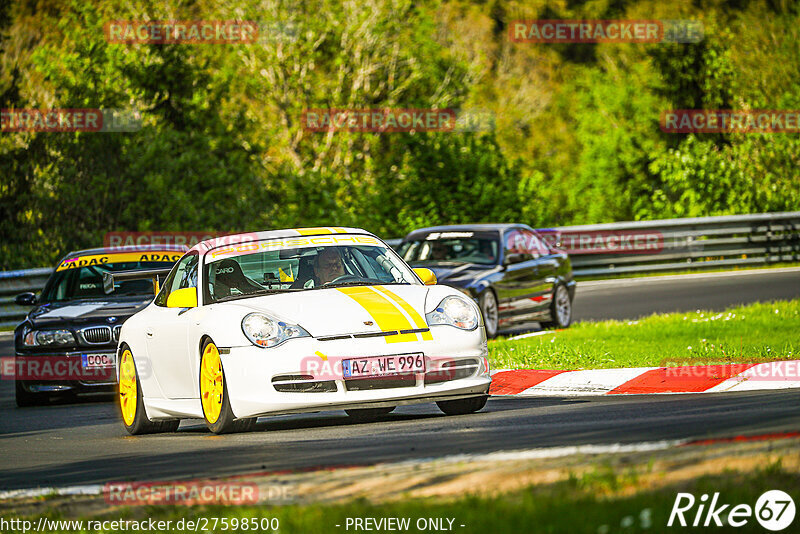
(61, 372)
(304, 375)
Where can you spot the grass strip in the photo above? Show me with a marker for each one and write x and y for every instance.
(751, 333)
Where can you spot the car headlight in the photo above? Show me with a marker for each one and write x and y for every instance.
(43, 338)
(454, 311)
(264, 331)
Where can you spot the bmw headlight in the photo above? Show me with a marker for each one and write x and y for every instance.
(264, 331)
(454, 311)
(44, 338)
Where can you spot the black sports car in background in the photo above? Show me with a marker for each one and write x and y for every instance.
(68, 341)
(513, 274)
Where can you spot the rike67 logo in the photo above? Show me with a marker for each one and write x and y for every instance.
(774, 510)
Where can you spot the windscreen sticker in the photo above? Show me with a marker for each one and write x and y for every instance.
(68, 312)
(448, 235)
(101, 259)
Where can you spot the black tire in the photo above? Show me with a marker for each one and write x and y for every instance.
(491, 315)
(463, 406)
(560, 309)
(25, 398)
(141, 424)
(226, 423)
(368, 414)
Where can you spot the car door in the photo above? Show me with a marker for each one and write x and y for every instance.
(520, 281)
(546, 268)
(167, 335)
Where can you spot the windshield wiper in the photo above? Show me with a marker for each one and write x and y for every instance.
(351, 283)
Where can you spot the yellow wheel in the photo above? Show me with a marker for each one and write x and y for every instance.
(131, 401)
(214, 394)
(128, 394)
(211, 388)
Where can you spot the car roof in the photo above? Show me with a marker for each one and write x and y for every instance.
(483, 227)
(135, 248)
(247, 237)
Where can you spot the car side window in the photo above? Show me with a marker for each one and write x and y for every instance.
(516, 244)
(183, 275)
(534, 244)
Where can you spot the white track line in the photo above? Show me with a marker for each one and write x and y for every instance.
(499, 456)
(531, 334)
(44, 492)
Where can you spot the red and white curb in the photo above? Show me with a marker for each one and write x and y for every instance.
(647, 380)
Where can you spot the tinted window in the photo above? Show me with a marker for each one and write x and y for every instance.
(87, 282)
(459, 247)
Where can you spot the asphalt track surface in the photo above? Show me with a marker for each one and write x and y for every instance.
(84, 443)
(637, 297)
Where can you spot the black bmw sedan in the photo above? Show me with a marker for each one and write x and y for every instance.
(513, 274)
(67, 343)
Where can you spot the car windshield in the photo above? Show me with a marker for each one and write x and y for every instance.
(280, 265)
(459, 247)
(87, 282)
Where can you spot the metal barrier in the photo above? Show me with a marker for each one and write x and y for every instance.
(602, 250)
(598, 250)
(12, 283)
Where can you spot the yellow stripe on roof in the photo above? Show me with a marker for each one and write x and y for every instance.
(321, 230)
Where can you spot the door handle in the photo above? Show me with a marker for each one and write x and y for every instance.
(149, 333)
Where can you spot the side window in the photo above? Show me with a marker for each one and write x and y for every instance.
(183, 275)
(516, 243)
(534, 244)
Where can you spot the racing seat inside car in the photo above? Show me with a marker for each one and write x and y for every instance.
(305, 272)
(229, 276)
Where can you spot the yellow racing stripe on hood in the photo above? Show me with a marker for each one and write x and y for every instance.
(385, 314)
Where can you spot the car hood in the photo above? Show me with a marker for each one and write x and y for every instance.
(457, 274)
(345, 310)
(86, 310)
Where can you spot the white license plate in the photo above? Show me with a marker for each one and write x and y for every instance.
(95, 360)
(383, 365)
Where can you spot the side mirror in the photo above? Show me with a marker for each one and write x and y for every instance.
(25, 299)
(513, 258)
(426, 275)
(183, 298)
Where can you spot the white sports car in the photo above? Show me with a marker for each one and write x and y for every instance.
(292, 321)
